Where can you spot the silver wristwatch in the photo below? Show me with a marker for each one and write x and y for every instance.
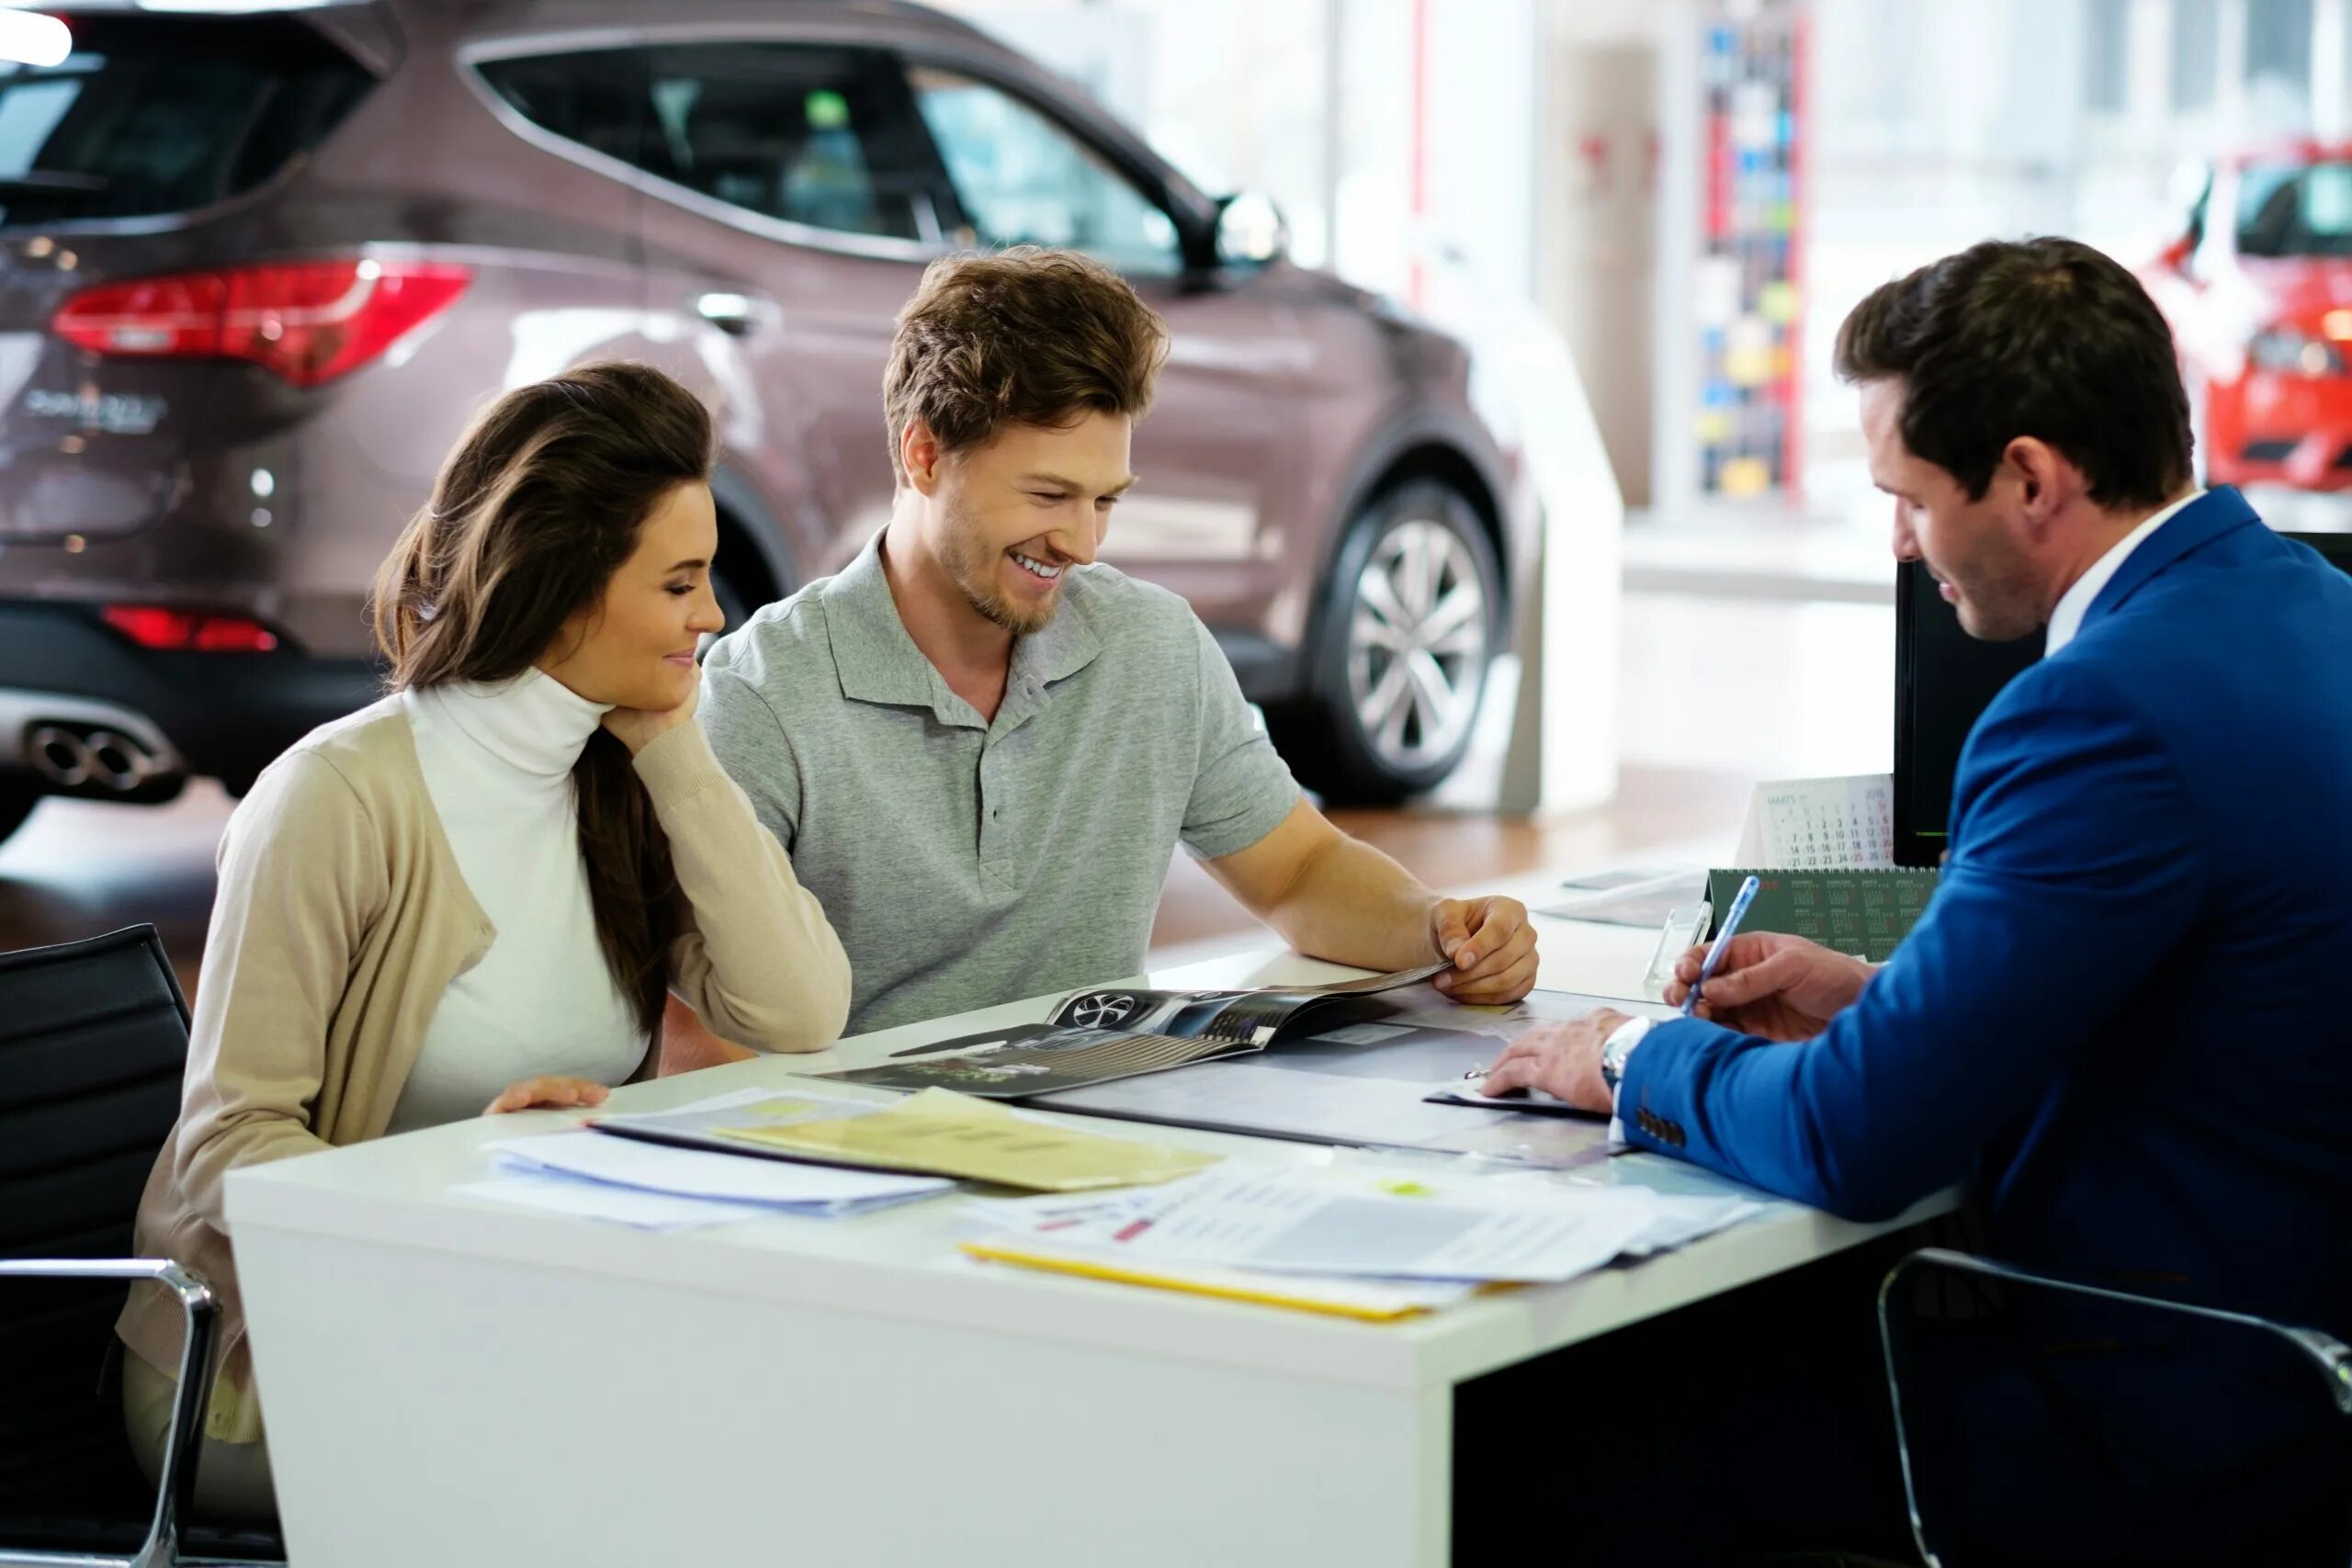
(1618, 1048)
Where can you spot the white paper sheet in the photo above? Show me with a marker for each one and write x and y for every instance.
(1376, 1224)
(1399, 1228)
(694, 1173)
(555, 1193)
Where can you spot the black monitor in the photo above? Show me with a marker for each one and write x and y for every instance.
(1943, 679)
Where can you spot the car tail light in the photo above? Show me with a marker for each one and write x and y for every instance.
(189, 631)
(308, 321)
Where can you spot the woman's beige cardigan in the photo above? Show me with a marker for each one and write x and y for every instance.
(342, 917)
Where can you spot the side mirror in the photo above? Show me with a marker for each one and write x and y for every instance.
(1251, 230)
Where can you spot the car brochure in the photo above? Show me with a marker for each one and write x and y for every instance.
(1106, 1034)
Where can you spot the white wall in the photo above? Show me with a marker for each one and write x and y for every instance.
(1597, 211)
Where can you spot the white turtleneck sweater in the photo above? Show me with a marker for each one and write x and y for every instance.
(497, 764)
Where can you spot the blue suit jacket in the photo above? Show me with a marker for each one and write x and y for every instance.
(2124, 1016)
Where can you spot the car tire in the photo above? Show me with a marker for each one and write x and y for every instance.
(17, 798)
(1402, 650)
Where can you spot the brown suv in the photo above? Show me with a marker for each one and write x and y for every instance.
(255, 272)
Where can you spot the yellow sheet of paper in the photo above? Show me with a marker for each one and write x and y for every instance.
(1350, 1298)
(940, 1133)
(767, 1109)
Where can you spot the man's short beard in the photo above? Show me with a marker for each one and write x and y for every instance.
(2004, 599)
(973, 570)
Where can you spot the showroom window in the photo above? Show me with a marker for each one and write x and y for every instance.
(1022, 179)
(2105, 36)
(2196, 44)
(2279, 58)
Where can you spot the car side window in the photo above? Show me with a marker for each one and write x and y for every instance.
(821, 136)
(596, 98)
(1023, 178)
(813, 135)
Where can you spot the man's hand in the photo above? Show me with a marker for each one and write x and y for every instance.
(1561, 1059)
(1338, 898)
(1491, 946)
(1783, 987)
(560, 1093)
(639, 728)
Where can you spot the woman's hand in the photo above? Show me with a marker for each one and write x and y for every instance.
(639, 728)
(560, 1093)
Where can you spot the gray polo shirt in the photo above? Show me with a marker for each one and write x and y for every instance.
(966, 863)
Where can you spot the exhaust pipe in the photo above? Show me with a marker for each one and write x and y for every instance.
(58, 755)
(105, 758)
(118, 761)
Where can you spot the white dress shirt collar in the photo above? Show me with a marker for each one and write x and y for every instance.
(2075, 603)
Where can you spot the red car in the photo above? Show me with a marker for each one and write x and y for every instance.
(2259, 288)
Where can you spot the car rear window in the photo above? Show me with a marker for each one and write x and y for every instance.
(153, 114)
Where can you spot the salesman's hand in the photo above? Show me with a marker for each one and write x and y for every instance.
(639, 728)
(1561, 1059)
(1783, 987)
(1491, 945)
(562, 1093)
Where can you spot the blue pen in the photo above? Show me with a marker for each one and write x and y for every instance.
(1730, 927)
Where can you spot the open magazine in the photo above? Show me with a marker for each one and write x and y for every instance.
(1106, 1034)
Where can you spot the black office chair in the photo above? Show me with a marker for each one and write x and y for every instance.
(2331, 1361)
(93, 1042)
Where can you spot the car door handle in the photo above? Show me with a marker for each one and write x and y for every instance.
(735, 314)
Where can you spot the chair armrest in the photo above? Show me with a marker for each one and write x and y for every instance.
(2328, 1354)
(176, 1486)
(180, 1282)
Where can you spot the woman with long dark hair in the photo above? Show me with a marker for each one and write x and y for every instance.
(474, 895)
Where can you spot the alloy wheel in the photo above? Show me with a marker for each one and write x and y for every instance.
(1418, 640)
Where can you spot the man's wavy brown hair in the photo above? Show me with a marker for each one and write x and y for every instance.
(1023, 336)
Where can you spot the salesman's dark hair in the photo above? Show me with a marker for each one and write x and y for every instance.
(2044, 337)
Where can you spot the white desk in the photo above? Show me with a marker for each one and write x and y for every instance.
(455, 1383)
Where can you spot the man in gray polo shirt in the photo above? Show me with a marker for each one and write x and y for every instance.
(981, 749)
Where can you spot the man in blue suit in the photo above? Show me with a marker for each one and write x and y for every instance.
(2118, 1021)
